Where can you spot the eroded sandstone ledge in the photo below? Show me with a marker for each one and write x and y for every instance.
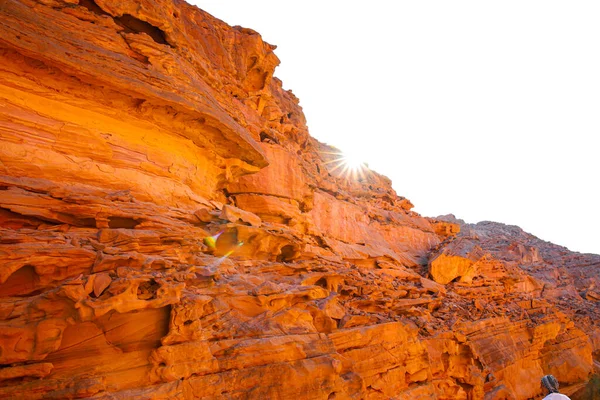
(133, 132)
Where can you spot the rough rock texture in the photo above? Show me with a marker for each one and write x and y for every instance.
(169, 230)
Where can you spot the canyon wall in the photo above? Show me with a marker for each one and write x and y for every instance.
(170, 230)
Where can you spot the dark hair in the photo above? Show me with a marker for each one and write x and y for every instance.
(550, 383)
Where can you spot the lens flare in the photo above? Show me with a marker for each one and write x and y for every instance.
(223, 245)
(230, 252)
(348, 165)
(220, 260)
(211, 241)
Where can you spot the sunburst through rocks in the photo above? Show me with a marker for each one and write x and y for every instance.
(347, 165)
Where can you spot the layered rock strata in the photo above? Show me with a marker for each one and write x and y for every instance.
(169, 229)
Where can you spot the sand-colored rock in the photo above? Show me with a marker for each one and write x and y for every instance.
(170, 230)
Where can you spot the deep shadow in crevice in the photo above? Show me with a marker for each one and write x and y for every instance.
(93, 7)
(265, 137)
(129, 23)
(121, 222)
(132, 24)
(287, 253)
(148, 290)
(322, 282)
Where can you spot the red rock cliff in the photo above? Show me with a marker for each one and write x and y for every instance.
(169, 229)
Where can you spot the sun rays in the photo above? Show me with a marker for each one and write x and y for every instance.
(347, 165)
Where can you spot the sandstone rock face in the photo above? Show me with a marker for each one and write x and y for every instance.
(535, 285)
(169, 230)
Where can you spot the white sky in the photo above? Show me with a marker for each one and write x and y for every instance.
(487, 110)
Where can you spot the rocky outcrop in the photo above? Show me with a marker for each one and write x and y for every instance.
(538, 286)
(169, 229)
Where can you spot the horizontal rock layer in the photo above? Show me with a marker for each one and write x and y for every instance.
(169, 229)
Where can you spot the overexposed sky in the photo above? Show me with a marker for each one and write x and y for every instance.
(486, 110)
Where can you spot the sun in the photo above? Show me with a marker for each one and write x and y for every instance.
(347, 164)
(353, 161)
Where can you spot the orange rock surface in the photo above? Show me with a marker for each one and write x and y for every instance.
(170, 230)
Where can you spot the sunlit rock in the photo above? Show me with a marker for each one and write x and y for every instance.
(170, 230)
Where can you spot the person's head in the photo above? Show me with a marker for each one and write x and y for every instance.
(550, 383)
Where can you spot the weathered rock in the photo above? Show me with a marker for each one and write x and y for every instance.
(169, 230)
(234, 214)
